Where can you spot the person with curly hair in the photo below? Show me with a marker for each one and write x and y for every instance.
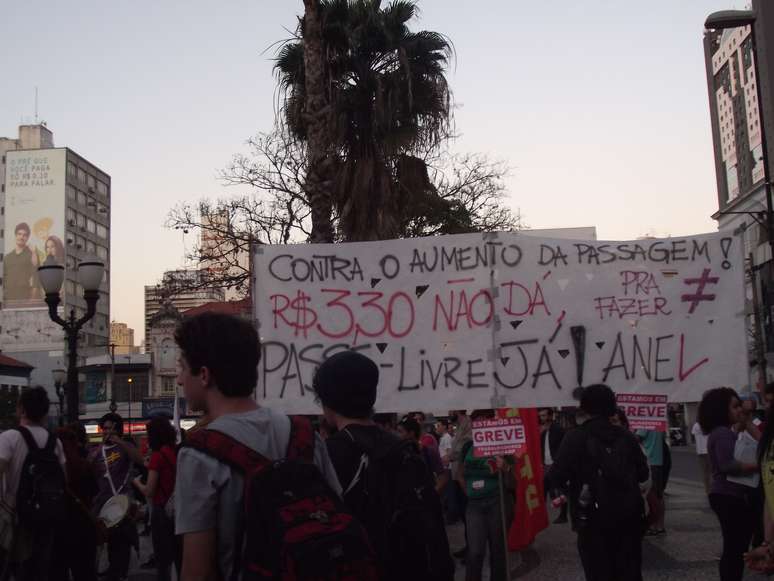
(719, 410)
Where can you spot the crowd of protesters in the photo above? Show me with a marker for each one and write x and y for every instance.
(68, 506)
(353, 494)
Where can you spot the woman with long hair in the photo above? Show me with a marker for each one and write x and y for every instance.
(159, 489)
(719, 410)
(55, 249)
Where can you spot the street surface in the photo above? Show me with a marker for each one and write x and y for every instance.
(688, 552)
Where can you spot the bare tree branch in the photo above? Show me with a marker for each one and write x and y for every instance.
(471, 196)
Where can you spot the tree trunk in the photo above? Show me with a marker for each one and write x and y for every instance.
(317, 111)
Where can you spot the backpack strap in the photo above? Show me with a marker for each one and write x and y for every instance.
(32, 445)
(301, 441)
(226, 449)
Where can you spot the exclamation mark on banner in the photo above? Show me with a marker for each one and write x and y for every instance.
(579, 343)
(725, 246)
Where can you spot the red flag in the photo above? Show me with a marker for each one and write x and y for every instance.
(530, 513)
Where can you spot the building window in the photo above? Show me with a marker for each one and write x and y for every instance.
(91, 226)
(91, 248)
(732, 182)
(102, 252)
(71, 217)
(82, 174)
(71, 169)
(168, 385)
(131, 387)
(71, 194)
(92, 182)
(81, 220)
(102, 188)
(81, 198)
(102, 231)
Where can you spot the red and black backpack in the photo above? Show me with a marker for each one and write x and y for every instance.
(295, 526)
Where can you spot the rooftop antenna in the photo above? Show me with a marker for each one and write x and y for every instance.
(36, 105)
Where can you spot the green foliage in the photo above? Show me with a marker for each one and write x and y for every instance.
(388, 102)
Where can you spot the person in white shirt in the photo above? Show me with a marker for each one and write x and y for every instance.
(701, 453)
(31, 552)
(444, 442)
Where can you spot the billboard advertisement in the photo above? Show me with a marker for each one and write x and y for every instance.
(34, 222)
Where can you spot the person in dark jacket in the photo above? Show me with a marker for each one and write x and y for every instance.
(361, 452)
(551, 436)
(75, 545)
(607, 510)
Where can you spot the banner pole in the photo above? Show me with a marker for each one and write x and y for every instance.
(505, 530)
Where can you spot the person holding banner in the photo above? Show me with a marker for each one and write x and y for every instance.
(486, 506)
(654, 445)
(605, 467)
(551, 436)
(719, 410)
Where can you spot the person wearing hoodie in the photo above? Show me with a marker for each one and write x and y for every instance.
(605, 466)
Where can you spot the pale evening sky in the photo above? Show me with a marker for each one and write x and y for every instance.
(600, 107)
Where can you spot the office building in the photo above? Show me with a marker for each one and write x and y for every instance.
(54, 205)
(183, 289)
(225, 256)
(739, 120)
(122, 339)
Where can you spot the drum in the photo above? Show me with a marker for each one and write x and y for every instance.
(114, 510)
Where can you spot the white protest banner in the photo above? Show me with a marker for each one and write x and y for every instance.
(501, 319)
(644, 412)
(501, 437)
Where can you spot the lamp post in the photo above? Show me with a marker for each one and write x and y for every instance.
(60, 376)
(129, 382)
(51, 278)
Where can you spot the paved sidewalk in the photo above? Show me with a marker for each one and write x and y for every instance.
(688, 551)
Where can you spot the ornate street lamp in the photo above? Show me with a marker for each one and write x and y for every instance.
(52, 276)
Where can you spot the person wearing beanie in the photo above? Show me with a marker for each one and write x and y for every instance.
(363, 456)
(605, 467)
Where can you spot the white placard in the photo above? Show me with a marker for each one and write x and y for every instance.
(495, 320)
(644, 412)
(500, 437)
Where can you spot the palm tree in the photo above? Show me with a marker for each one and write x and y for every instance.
(387, 102)
(317, 125)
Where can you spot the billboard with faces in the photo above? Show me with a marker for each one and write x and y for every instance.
(34, 222)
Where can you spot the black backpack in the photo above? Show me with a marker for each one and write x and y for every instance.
(295, 526)
(40, 498)
(405, 518)
(612, 479)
